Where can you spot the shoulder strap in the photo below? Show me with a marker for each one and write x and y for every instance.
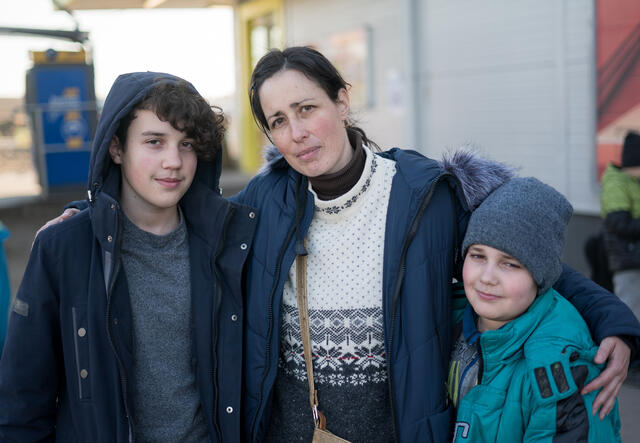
(303, 315)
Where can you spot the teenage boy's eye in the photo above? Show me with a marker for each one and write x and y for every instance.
(187, 145)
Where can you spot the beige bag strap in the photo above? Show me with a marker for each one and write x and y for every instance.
(303, 314)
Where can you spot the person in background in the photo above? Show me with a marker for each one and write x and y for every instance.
(118, 329)
(522, 352)
(620, 203)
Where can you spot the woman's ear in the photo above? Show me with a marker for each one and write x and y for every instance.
(343, 101)
(115, 150)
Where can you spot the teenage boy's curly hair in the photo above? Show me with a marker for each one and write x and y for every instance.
(187, 111)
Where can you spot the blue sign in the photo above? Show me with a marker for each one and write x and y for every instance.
(63, 108)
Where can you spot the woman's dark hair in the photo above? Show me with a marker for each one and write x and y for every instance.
(307, 61)
(187, 111)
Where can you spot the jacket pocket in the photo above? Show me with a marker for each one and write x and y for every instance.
(81, 349)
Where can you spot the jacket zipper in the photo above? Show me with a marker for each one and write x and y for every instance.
(216, 311)
(276, 279)
(396, 294)
(123, 377)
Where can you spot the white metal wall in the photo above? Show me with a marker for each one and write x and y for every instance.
(516, 79)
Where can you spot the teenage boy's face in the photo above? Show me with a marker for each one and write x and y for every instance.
(158, 164)
(498, 287)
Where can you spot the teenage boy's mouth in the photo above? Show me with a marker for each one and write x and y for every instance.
(169, 182)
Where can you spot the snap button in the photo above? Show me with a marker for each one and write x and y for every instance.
(573, 357)
(84, 373)
(243, 246)
(82, 332)
(229, 409)
(109, 238)
(115, 321)
(234, 317)
(252, 214)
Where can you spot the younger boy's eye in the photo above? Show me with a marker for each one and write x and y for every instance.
(512, 265)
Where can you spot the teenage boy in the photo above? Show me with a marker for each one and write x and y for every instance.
(118, 329)
(522, 352)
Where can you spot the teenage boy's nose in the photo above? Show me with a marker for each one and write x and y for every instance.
(172, 158)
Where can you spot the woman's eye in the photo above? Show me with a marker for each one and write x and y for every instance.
(276, 123)
(306, 108)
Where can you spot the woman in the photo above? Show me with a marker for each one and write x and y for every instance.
(382, 234)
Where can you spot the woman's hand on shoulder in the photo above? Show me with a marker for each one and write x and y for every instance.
(66, 215)
(617, 354)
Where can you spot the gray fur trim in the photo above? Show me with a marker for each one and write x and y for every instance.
(272, 160)
(478, 175)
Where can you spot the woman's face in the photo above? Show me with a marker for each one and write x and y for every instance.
(306, 126)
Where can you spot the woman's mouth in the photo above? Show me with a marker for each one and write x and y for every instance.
(308, 153)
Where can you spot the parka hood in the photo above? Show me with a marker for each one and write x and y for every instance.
(127, 91)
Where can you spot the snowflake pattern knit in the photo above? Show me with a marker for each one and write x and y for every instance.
(344, 284)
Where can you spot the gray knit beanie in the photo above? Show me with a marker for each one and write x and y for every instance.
(526, 219)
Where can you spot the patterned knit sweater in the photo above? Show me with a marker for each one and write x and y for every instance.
(344, 285)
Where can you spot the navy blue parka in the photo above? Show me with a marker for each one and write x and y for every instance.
(426, 220)
(65, 374)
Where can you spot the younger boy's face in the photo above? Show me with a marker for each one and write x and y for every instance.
(498, 287)
(158, 164)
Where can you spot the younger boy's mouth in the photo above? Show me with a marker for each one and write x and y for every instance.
(486, 296)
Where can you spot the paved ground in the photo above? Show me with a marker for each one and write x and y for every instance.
(24, 215)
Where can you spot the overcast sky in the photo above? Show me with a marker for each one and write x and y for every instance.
(196, 44)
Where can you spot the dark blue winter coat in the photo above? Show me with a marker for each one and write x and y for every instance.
(65, 374)
(426, 220)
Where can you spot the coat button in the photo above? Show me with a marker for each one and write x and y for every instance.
(109, 238)
(229, 410)
(115, 321)
(234, 317)
(82, 332)
(252, 214)
(113, 206)
(84, 373)
(243, 246)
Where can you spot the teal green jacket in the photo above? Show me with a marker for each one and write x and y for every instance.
(529, 387)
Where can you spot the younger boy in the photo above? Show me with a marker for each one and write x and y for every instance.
(522, 352)
(117, 330)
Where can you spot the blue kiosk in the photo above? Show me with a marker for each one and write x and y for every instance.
(61, 102)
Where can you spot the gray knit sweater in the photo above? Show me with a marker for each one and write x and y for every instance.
(166, 400)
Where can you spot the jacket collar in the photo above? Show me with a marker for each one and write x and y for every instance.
(506, 344)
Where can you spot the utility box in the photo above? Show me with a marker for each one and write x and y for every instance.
(61, 103)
